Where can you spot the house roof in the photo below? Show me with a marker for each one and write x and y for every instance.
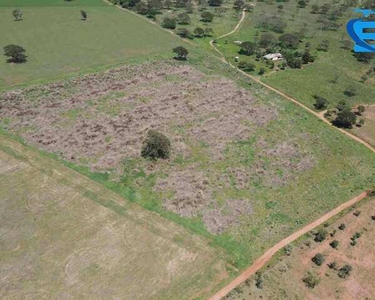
(273, 55)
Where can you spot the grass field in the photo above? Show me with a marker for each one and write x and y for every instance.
(59, 43)
(283, 278)
(316, 78)
(65, 236)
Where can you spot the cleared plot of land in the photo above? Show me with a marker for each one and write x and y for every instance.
(333, 71)
(58, 42)
(244, 162)
(64, 236)
(284, 278)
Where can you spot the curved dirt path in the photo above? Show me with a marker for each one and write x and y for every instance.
(261, 261)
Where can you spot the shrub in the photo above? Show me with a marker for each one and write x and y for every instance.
(246, 66)
(247, 48)
(198, 32)
(84, 15)
(320, 235)
(206, 16)
(320, 102)
(318, 259)
(311, 280)
(15, 54)
(345, 271)
(342, 105)
(357, 213)
(156, 145)
(342, 226)
(361, 109)
(334, 244)
(259, 281)
(288, 250)
(185, 33)
(169, 23)
(333, 265)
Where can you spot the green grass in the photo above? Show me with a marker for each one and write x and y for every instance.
(315, 78)
(59, 43)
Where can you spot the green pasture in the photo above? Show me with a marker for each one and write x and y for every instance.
(59, 43)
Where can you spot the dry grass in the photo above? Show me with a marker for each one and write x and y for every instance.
(66, 237)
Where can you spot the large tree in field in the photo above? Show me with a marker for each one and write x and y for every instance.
(345, 119)
(84, 15)
(181, 53)
(17, 14)
(15, 54)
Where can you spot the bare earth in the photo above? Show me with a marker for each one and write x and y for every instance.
(284, 277)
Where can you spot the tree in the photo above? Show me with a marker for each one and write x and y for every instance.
(181, 53)
(323, 46)
(15, 54)
(318, 259)
(247, 48)
(185, 33)
(267, 40)
(302, 3)
(334, 244)
(307, 57)
(206, 16)
(238, 4)
(295, 63)
(342, 226)
(84, 15)
(169, 23)
(183, 18)
(17, 14)
(345, 119)
(320, 102)
(168, 4)
(208, 31)
(345, 271)
(311, 280)
(289, 40)
(198, 32)
(246, 66)
(320, 235)
(156, 145)
(342, 105)
(215, 2)
(142, 8)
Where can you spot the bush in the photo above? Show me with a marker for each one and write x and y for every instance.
(169, 23)
(246, 66)
(318, 259)
(185, 33)
(259, 281)
(342, 226)
(320, 235)
(156, 145)
(357, 213)
(84, 15)
(206, 16)
(334, 244)
(17, 14)
(320, 102)
(288, 249)
(15, 54)
(311, 280)
(198, 32)
(345, 271)
(333, 265)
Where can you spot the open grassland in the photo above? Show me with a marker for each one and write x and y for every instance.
(59, 43)
(64, 236)
(283, 278)
(329, 76)
(247, 167)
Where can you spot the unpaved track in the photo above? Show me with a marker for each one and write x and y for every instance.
(261, 261)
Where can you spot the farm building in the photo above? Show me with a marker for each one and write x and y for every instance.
(273, 56)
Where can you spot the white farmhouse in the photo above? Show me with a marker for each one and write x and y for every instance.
(273, 56)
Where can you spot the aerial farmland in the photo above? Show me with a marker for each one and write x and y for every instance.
(146, 155)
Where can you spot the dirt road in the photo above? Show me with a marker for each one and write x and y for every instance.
(261, 261)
